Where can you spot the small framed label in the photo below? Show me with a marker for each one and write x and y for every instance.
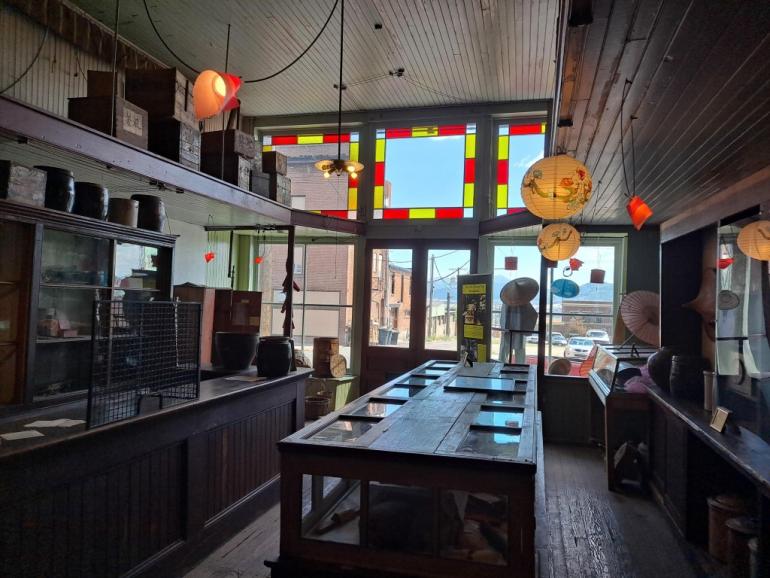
(719, 419)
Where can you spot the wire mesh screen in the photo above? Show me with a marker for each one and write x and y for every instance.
(145, 356)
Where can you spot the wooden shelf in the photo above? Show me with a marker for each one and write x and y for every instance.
(28, 122)
(42, 340)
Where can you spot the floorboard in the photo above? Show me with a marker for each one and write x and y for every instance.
(588, 531)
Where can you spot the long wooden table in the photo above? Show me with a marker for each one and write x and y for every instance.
(423, 476)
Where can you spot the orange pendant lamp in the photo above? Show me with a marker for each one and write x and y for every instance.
(214, 92)
(754, 240)
(558, 241)
(556, 187)
(639, 211)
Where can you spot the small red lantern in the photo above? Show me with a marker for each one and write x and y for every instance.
(258, 260)
(597, 275)
(511, 263)
(639, 211)
(726, 262)
(575, 264)
(209, 256)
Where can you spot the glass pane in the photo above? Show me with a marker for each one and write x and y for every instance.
(378, 408)
(503, 442)
(74, 260)
(474, 527)
(136, 268)
(444, 266)
(400, 518)
(518, 147)
(391, 297)
(343, 430)
(402, 391)
(332, 512)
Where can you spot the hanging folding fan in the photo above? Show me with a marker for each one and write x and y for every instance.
(640, 311)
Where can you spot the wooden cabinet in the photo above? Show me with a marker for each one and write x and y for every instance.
(60, 264)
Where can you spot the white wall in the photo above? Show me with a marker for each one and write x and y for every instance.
(189, 266)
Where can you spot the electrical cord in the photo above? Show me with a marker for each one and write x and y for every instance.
(626, 90)
(254, 80)
(31, 64)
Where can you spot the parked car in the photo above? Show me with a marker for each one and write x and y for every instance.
(531, 338)
(558, 339)
(599, 336)
(578, 347)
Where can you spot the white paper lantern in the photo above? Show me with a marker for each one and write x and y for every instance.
(556, 187)
(754, 240)
(558, 241)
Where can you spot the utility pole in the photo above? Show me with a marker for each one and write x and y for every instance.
(446, 316)
(430, 296)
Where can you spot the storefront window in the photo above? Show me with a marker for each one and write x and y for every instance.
(391, 297)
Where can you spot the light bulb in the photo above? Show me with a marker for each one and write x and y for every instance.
(219, 86)
(353, 175)
(350, 168)
(327, 174)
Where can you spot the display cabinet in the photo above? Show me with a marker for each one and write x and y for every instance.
(65, 262)
(614, 365)
(431, 474)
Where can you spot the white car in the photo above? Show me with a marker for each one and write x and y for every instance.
(578, 347)
(599, 336)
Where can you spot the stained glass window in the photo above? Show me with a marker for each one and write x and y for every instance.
(518, 146)
(425, 172)
(336, 196)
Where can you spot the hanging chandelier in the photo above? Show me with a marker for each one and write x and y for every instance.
(340, 166)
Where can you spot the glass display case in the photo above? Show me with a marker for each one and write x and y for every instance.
(418, 480)
(616, 364)
(742, 330)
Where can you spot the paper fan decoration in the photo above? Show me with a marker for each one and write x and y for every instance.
(640, 312)
(565, 288)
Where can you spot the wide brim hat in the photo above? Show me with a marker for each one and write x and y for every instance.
(519, 291)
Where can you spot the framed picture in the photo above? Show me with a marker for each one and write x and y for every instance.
(719, 419)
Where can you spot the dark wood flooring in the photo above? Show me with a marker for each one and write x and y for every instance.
(584, 530)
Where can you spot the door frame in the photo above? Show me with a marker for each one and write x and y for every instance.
(416, 354)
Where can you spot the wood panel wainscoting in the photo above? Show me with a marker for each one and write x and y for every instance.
(150, 495)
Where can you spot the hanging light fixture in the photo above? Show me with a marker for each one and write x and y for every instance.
(556, 187)
(214, 92)
(558, 241)
(340, 166)
(754, 240)
(638, 210)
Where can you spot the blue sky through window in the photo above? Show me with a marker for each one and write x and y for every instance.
(523, 151)
(426, 171)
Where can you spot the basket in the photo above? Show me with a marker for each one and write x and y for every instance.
(316, 406)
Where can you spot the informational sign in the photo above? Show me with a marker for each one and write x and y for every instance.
(475, 299)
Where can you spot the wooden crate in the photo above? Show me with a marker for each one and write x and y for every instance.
(237, 169)
(279, 189)
(274, 162)
(189, 293)
(99, 83)
(235, 141)
(260, 183)
(177, 141)
(22, 184)
(162, 93)
(130, 120)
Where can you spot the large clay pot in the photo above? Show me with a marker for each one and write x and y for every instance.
(59, 188)
(274, 356)
(152, 212)
(687, 377)
(659, 366)
(236, 350)
(91, 200)
(124, 212)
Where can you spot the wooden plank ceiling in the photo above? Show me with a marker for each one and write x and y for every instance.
(700, 92)
(453, 51)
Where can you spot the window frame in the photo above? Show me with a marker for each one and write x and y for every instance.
(499, 190)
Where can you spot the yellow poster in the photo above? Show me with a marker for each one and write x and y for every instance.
(475, 289)
(473, 331)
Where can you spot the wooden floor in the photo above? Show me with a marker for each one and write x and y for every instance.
(586, 532)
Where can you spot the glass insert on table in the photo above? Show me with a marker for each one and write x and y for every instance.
(412, 380)
(430, 372)
(400, 518)
(343, 430)
(473, 526)
(445, 365)
(500, 416)
(505, 398)
(491, 441)
(484, 384)
(378, 408)
(403, 391)
(332, 513)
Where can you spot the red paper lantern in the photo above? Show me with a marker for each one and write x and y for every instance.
(639, 211)
(726, 262)
(209, 256)
(597, 275)
(511, 263)
(258, 260)
(575, 264)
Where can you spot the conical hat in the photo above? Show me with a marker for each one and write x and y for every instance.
(519, 291)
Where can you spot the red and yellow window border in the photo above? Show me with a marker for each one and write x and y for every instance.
(504, 133)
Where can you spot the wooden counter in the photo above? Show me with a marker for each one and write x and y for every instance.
(149, 494)
(417, 449)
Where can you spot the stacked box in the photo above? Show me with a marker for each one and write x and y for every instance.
(22, 184)
(95, 111)
(279, 188)
(164, 93)
(274, 162)
(239, 152)
(177, 141)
